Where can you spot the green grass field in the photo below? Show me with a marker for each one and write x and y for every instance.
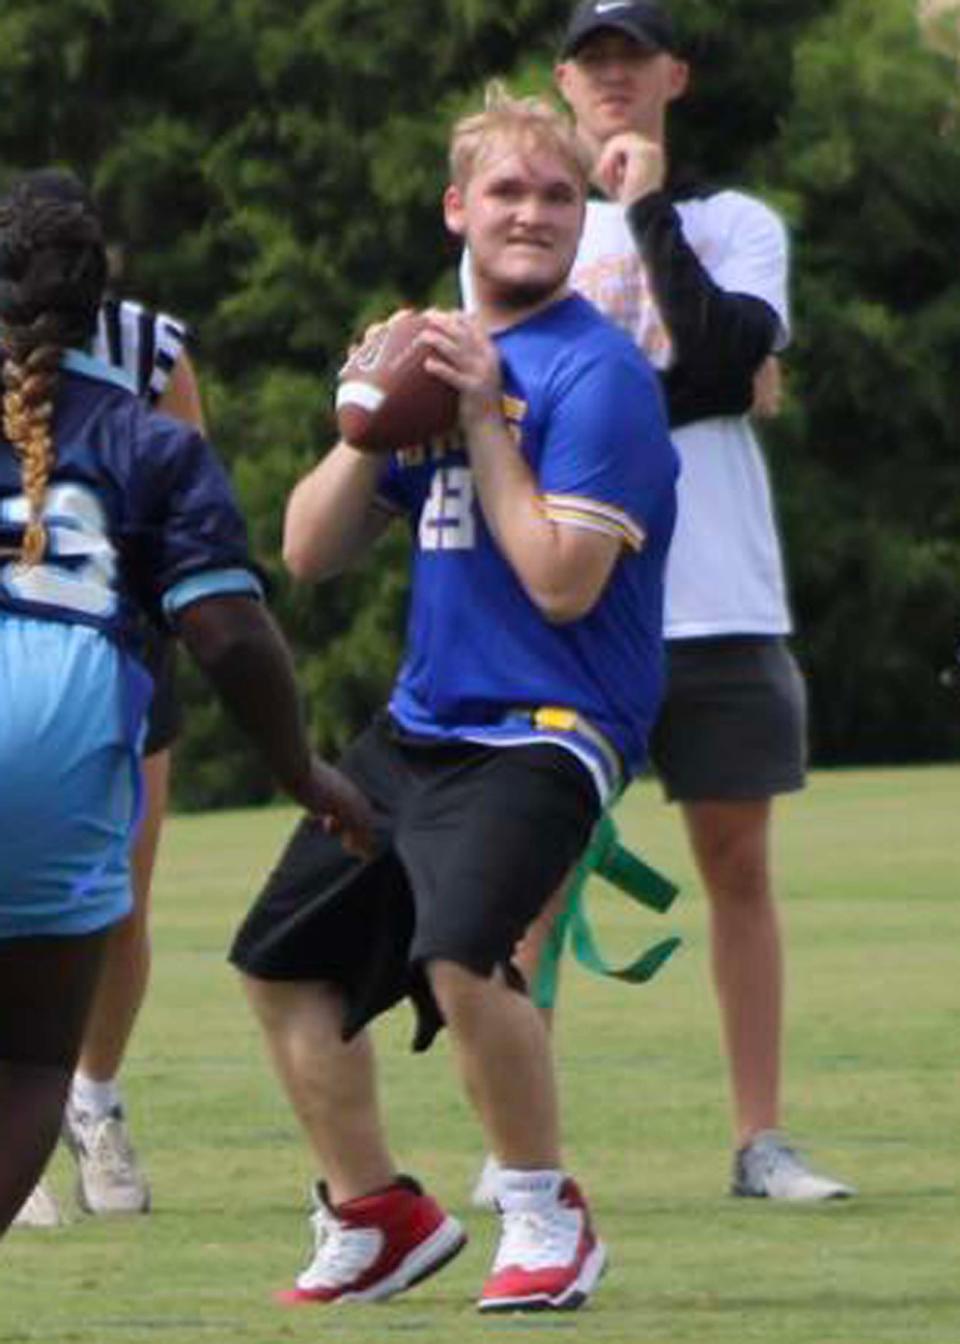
(868, 863)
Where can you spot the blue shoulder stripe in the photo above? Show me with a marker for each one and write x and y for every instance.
(78, 361)
(211, 583)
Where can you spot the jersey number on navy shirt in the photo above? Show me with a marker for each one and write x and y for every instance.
(78, 571)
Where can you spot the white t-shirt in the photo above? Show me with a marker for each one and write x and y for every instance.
(725, 571)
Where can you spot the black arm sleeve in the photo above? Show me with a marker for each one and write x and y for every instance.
(719, 339)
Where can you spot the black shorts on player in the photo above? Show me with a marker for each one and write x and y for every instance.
(473, 841)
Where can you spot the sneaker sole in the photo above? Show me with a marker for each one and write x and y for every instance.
(572, 1297)
(133, 1211)
(840, 1192)
(428, 1258)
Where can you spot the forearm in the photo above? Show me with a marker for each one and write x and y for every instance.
(720, 339)
(537, 549)
(331, 518)
(238, 647)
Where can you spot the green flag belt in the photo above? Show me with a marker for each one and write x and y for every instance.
(610, 860)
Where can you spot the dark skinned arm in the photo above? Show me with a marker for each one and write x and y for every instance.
(239, 648)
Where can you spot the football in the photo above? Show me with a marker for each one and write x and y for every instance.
(386, 399)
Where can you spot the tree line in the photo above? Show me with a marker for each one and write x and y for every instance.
(271, 171)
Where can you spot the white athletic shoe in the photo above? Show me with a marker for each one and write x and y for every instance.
(109, 1179)
(484, 1193)
(768, 1168)
(376, 1246)
(40, 1210)
(549, 1257)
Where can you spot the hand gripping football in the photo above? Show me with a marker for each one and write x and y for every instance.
(386, 400)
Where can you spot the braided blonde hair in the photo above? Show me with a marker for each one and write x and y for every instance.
(52, 273)
(29, 389)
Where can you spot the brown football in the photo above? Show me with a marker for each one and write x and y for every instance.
(386, 400)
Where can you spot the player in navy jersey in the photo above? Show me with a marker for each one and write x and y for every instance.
(109, 515)
(531, 676)
(150, 348)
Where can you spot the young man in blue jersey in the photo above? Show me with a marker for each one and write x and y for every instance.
(531, 677)
(109, 515)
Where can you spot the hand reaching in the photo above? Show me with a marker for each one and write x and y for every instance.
(340, 807)
(629, 167)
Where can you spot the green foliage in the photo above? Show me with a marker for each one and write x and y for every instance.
(869, 469)
(273, 169)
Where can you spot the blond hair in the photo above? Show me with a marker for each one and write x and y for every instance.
(29, 389)
(527, 123)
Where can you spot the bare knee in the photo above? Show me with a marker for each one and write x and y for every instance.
(460, 992)
(730, 844)
(277, 1003)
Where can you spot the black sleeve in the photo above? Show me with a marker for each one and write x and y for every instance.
(719, 339)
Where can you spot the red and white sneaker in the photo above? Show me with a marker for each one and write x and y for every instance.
(372, 1247)
(549, 1257)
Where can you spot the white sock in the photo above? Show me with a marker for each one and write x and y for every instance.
(523, 1189)
(94, 1098)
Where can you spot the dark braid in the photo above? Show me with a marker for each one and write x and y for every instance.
(52, 274)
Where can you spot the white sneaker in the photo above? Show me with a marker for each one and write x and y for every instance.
(109, 1179)
(768, 1168)
(376, 1246)
(549, 1257)
(484, 1193)
(40, 1210)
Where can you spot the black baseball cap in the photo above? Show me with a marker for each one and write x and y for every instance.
(645, 21)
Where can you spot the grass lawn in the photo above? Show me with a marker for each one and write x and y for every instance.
(868, 865)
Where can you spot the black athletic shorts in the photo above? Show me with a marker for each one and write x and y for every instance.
(733, 724)
(472, 842)
(163, 715)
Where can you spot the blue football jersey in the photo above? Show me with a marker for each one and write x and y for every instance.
(586, 410)
(139, 518)
(140, 515)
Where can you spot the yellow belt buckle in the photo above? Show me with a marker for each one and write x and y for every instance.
(556, 718)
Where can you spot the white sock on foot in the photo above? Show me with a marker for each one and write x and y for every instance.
(96, 1099)
(520, 1189)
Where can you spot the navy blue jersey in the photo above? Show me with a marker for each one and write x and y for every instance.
(139, 513)
(587, 413)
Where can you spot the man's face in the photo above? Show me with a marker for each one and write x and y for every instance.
(614, 84)
(521, 213)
